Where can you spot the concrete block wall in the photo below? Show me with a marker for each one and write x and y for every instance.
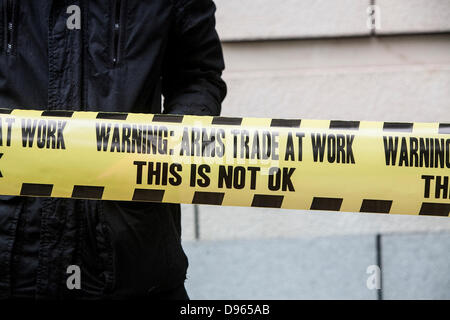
(402, 78)
(315, 268)
(414, 266)
(239, 20)
(317, 59)
(413, 16)
(235, 223)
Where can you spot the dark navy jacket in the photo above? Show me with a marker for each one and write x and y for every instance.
(123, 56)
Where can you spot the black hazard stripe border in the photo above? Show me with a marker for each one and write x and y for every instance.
(285, 123)
(267, 201)
(36, 190)
(435, 209)
(326, 204)
(5, 111)
(57, 113)
(376, 206)
(226, 121)
(444, 128)
(170, 118)
(216, 198)
(407, 127)
(210, 198)
(150, 195)
(112, 116)
(344, 125)
(87, 192)
(398, 126)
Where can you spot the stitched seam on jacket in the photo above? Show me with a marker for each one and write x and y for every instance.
(110, 266)
(8, 252)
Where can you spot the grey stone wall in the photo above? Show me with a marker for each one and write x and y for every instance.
(414, 266)
(317, 59)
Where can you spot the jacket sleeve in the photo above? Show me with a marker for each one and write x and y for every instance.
(193, 64)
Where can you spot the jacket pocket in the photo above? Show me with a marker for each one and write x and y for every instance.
(10, 10)
(117, 27)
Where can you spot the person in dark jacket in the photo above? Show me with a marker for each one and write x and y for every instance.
(113, 56)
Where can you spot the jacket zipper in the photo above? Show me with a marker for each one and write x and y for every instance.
(10, 21)
(116, 32)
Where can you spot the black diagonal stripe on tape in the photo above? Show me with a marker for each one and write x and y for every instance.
(213, 198)
(112, 116)
(444, 128)
(5, 111)
(36, 190)
(344, 125)
(1, 175)
(327, 204)
(87, 192)
(286, 123)
(57, 113)
(227, 121)
(148, 195)
(398, 126)
(435, 209)
(172, 118)
(376, 206)
(267, 201)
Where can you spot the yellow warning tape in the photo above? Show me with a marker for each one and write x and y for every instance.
(354, 166)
